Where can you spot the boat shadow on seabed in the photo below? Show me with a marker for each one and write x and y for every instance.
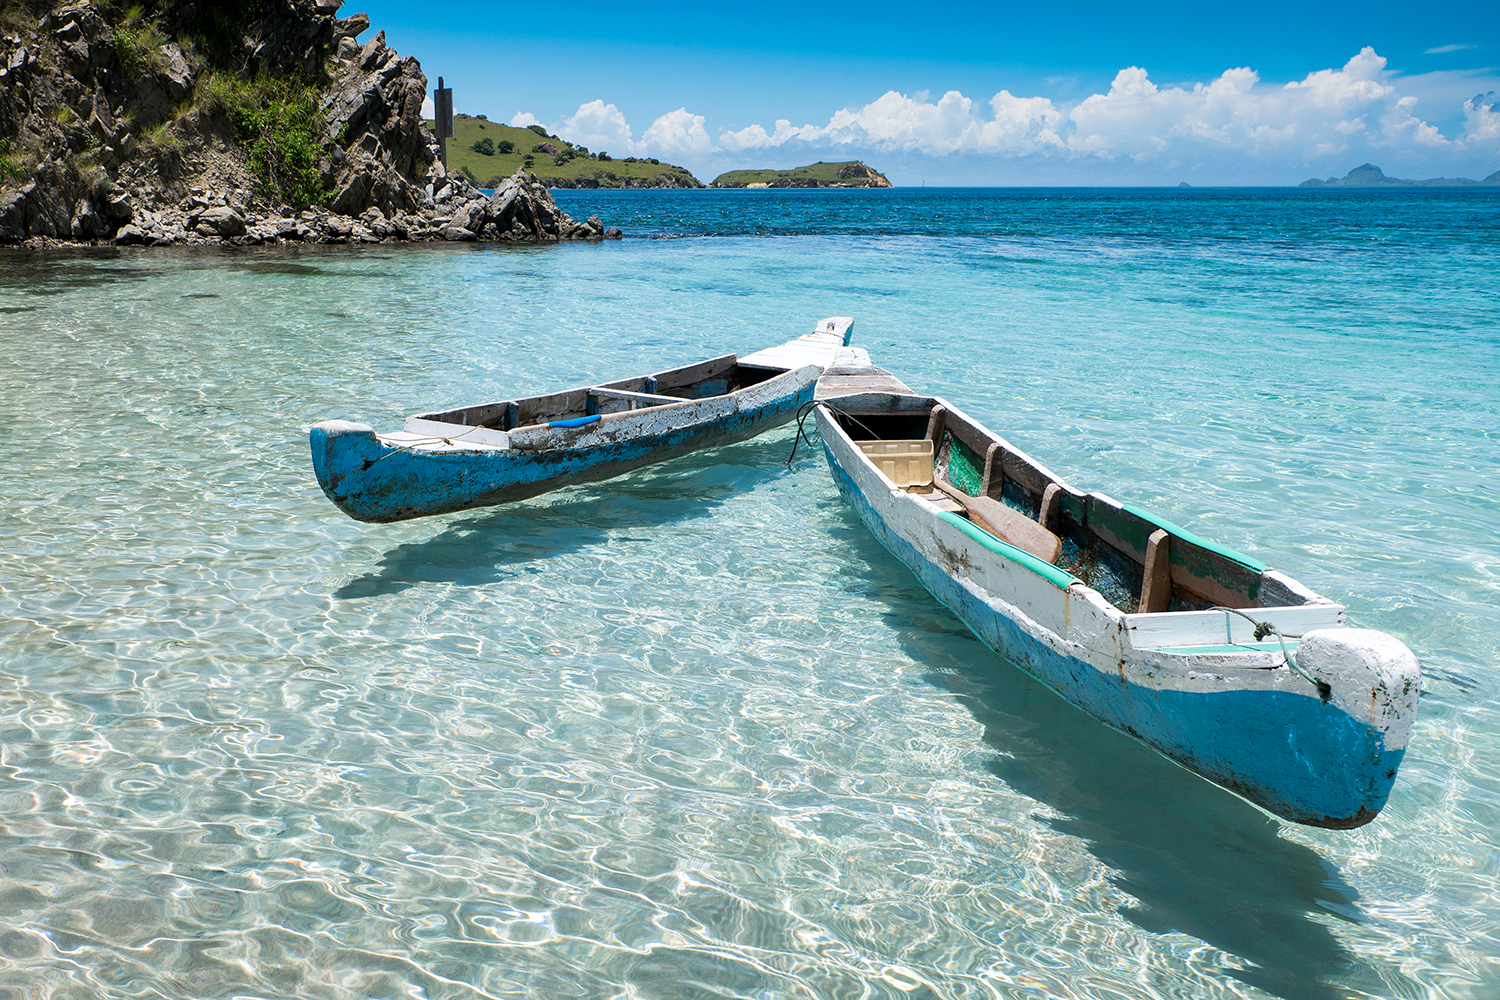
(484, 546)
(1197, 859)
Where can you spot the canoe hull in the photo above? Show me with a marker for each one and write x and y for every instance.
(375, 481)
(1266, 734)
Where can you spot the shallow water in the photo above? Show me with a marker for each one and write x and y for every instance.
(691, 733)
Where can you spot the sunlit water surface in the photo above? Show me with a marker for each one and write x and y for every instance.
(693, 733)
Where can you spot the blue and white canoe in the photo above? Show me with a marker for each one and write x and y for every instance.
(1123, 613)
(494, 453)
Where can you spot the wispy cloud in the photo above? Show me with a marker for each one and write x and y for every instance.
(1354, 110)
(1443, 49)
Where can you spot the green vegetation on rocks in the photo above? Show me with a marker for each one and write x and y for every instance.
(276, 118)
(848, 174)
(138, 43)
(490, 152)
(259, 121)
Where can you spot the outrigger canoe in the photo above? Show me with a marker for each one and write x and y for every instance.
(1230, 668)
(494, 453)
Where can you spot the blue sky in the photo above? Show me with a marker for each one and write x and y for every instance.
(967, 93)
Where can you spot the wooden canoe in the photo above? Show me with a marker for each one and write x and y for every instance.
(1122, 612)
(494, 453)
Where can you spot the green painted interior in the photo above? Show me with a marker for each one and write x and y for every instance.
(1046, 570)
(965, 469)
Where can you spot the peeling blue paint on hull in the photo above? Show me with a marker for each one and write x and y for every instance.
(373, 481)
(1294, 755)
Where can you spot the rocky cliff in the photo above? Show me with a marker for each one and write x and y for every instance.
(193, 121)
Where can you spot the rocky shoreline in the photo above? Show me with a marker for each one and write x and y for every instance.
(125, 142)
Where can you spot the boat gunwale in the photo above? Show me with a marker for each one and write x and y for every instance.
(892, 403)
(722, 405)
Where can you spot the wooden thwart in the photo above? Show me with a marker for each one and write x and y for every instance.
(1156, 590)
(1006, 524)
(648, 398)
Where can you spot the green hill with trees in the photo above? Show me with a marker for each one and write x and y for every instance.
(848, 174)
(487, 152)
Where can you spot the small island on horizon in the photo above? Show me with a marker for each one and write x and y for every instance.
(1369, 175)
(846, 174)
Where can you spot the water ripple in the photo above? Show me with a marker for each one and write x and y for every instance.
(691, 733)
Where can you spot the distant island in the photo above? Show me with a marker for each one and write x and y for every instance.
(1369, 175)
(487, 152)
(849, 174)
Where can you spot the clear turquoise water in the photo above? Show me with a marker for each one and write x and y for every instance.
(690, 733)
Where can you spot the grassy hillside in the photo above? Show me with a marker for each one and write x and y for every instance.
(850, 173)
(570, 167)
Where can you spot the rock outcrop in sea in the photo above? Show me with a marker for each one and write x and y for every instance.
(129, 128)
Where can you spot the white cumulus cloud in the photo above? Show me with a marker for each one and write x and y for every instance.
(598, 126)
(1357, 109)
(678, 132)
(1482, 120)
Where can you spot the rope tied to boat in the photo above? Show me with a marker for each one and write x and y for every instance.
(1265, 628)
(804, 411)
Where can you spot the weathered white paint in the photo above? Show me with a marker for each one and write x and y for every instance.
(1346, 658)
(456, 435)
(821, 347)
(442, 461)
(1207, 628)
(1123, 668)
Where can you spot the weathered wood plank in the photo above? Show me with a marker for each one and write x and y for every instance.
(936, 421)
(1006, 524)
(992, 483)
(676, 378)
(1156, 591)
(648, 398)
(1050, 516)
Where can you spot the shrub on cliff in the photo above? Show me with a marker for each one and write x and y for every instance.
(13, 167)
(276, 118)
(138, 44)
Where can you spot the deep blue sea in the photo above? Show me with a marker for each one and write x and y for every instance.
(693, 733)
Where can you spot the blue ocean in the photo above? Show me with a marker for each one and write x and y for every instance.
(693, 733)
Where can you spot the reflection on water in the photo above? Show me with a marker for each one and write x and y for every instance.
(690, 733)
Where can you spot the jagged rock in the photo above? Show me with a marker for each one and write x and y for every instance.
(158, 94)
(82, 110)
(350, 27)
(87, 224)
